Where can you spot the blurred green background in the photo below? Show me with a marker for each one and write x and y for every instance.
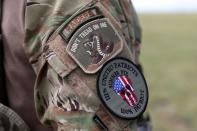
(169, 58)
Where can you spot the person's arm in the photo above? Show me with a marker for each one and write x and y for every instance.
(65, 93)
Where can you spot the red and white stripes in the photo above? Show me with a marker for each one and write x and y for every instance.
(128, 94)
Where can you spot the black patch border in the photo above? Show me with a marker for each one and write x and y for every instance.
(99, 94)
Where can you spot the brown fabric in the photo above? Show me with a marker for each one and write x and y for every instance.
(2, 87)
(20, 77)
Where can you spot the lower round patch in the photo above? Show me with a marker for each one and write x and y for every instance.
(122, 88)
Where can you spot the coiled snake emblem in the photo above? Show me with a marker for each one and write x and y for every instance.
(97, 47)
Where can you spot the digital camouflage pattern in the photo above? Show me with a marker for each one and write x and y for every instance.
(66, 97)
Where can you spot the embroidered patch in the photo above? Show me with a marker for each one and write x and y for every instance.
(75, 21)
(122, 88)
(93, 44)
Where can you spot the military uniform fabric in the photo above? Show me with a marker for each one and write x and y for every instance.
(19, 75)
(66, 96)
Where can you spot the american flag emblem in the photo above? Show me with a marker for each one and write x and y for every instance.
(123, 87)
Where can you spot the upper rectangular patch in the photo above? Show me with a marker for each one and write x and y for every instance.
(75, 21)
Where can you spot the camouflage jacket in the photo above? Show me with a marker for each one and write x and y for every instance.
(65, 96)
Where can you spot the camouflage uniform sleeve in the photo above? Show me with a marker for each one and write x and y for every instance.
(66, 97)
